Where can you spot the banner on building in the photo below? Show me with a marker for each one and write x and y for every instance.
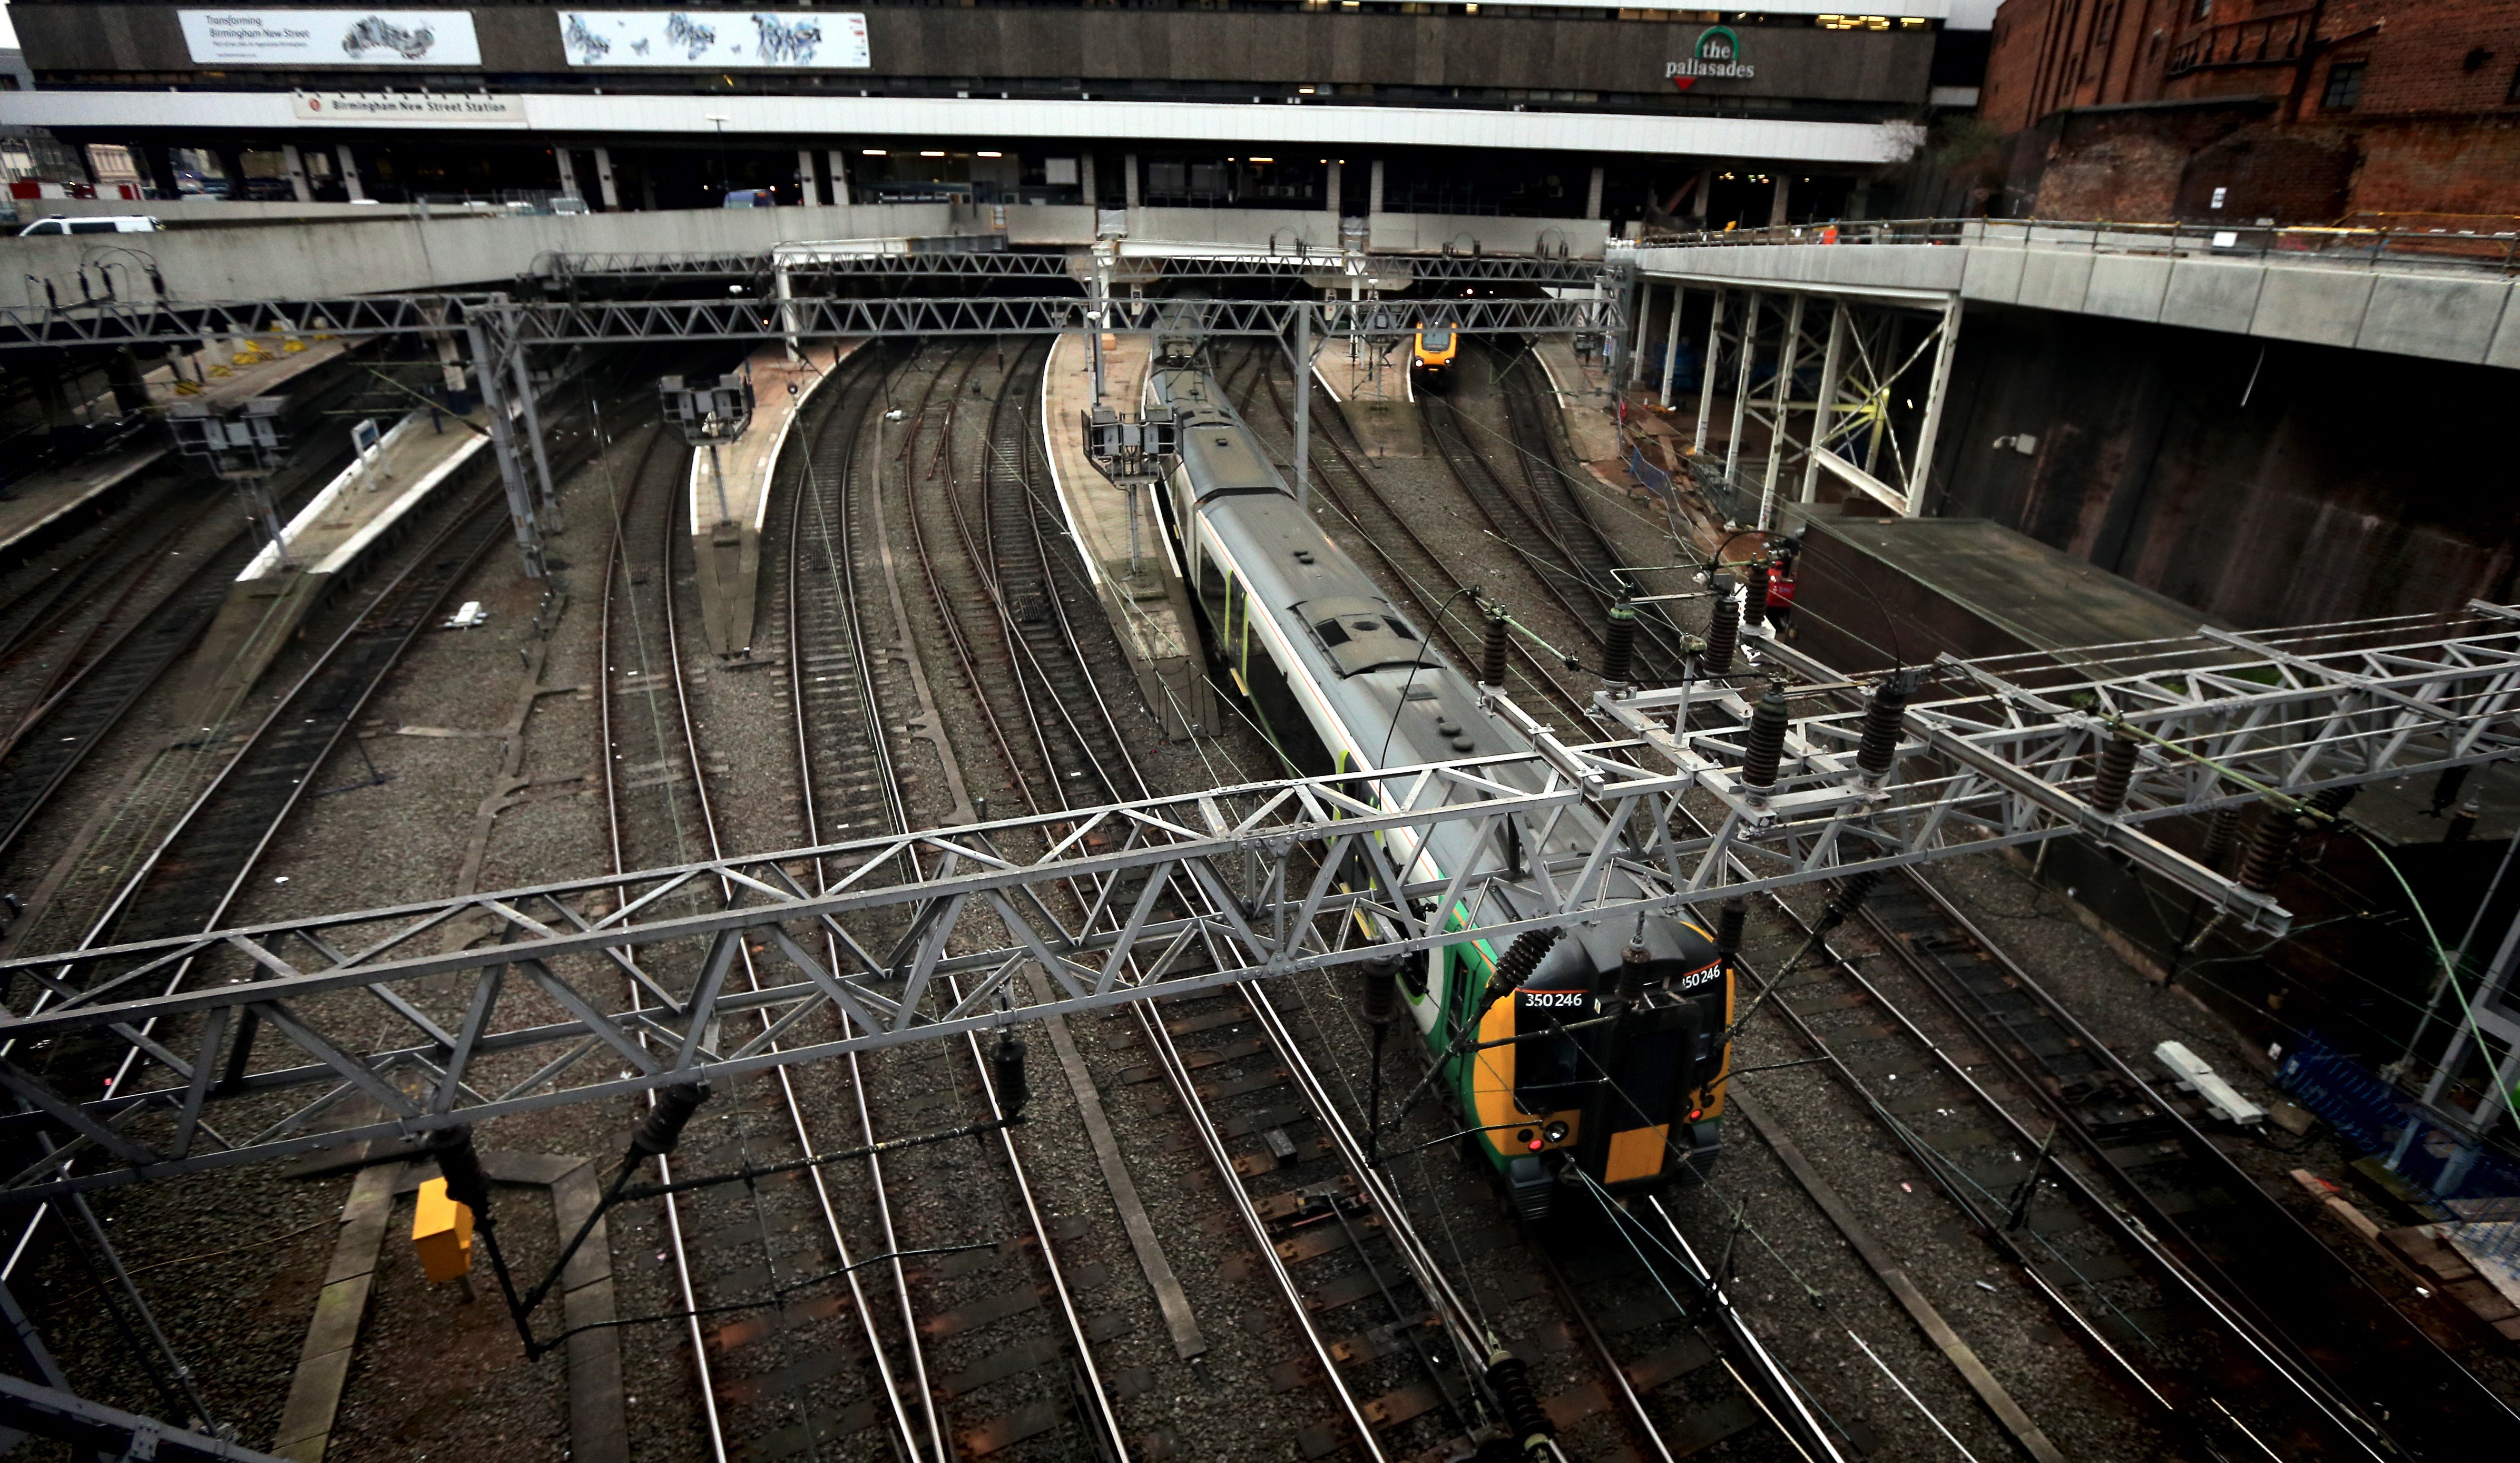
(409, 108)
(331, 37)
(714, 39)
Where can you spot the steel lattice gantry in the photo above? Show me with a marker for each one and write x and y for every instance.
(247, 1039)
(1830, 375)
(501, 331)
(515, 324)
(956, 259)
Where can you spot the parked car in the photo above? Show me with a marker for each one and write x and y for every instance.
(103, 223)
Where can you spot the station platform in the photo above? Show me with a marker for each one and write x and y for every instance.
(1370, 379)
(44, 499)
(329, 537)
(729, 491)
(1150, 611)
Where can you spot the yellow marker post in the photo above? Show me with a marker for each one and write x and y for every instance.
(441, 1230)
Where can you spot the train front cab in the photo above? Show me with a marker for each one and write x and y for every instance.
(1433, 353)
(1636, 1105)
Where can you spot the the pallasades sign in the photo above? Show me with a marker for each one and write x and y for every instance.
(1718, 56)
(715, 39)
(331, 37)
(409, 108)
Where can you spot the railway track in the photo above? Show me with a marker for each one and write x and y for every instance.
(2226, 1303)
(1046, 1388)
(52, 590)
(952, 1328)
(1384, 1328)
(1423, 578)
(2323, 1341)
(197, 866)
(93, 675)
(194, 871)
(2159, 1255)
(1529, 505)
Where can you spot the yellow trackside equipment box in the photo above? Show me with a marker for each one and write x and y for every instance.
(441, 1230)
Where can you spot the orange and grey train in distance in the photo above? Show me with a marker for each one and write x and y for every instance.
(1575, 1056)
(1434, 350)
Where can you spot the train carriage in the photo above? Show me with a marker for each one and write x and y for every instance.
(1338, 678)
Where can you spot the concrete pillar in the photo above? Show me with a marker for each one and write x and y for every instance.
(1671, 347)
(1778, 407)
(1936, 389)
(1638, 310)
(1086, 184)
(297, 165)
(232, 167)
(1330, 190)
(350, 172)
(1777, 206)
(1859, 203)
(839, 159)
(604, 180)
(1373, 190)
(1832, 370)
(156, 169)
(1593, 197)
(1749, 342)
(1706, 368)
(130, 385)
(567, 169)
(1129, 180)
(1697, 200)
(809, 187)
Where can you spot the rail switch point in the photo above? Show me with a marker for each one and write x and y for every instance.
(441, 1230)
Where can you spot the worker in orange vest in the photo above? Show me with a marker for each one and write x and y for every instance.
(1780, 595)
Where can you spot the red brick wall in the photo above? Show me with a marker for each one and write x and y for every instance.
(2419, 60)
(2432, 131)
(2050, 55)
(2440, 166)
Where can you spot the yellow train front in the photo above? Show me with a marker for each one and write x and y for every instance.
(1432, 354)
(1603, 1069)
(1590, 1059)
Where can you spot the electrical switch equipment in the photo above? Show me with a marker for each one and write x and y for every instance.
(441, 1230)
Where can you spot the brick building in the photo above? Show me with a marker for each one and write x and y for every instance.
(2306, 111)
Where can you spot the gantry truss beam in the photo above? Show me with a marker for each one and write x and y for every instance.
(1829, 379)
(908, 258)
(604, 987)
(531, 323)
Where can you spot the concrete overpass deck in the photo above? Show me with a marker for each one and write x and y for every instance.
(2449, 303)
(387, 250)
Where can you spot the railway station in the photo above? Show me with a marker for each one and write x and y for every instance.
(1278, 729)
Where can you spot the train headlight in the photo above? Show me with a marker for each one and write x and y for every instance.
(1555, 1133)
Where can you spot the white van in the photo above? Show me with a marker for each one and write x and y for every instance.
(102, 223)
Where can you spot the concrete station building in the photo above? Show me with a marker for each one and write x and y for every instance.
(1798, 111)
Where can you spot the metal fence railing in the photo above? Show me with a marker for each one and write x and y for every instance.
(2489, 245)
